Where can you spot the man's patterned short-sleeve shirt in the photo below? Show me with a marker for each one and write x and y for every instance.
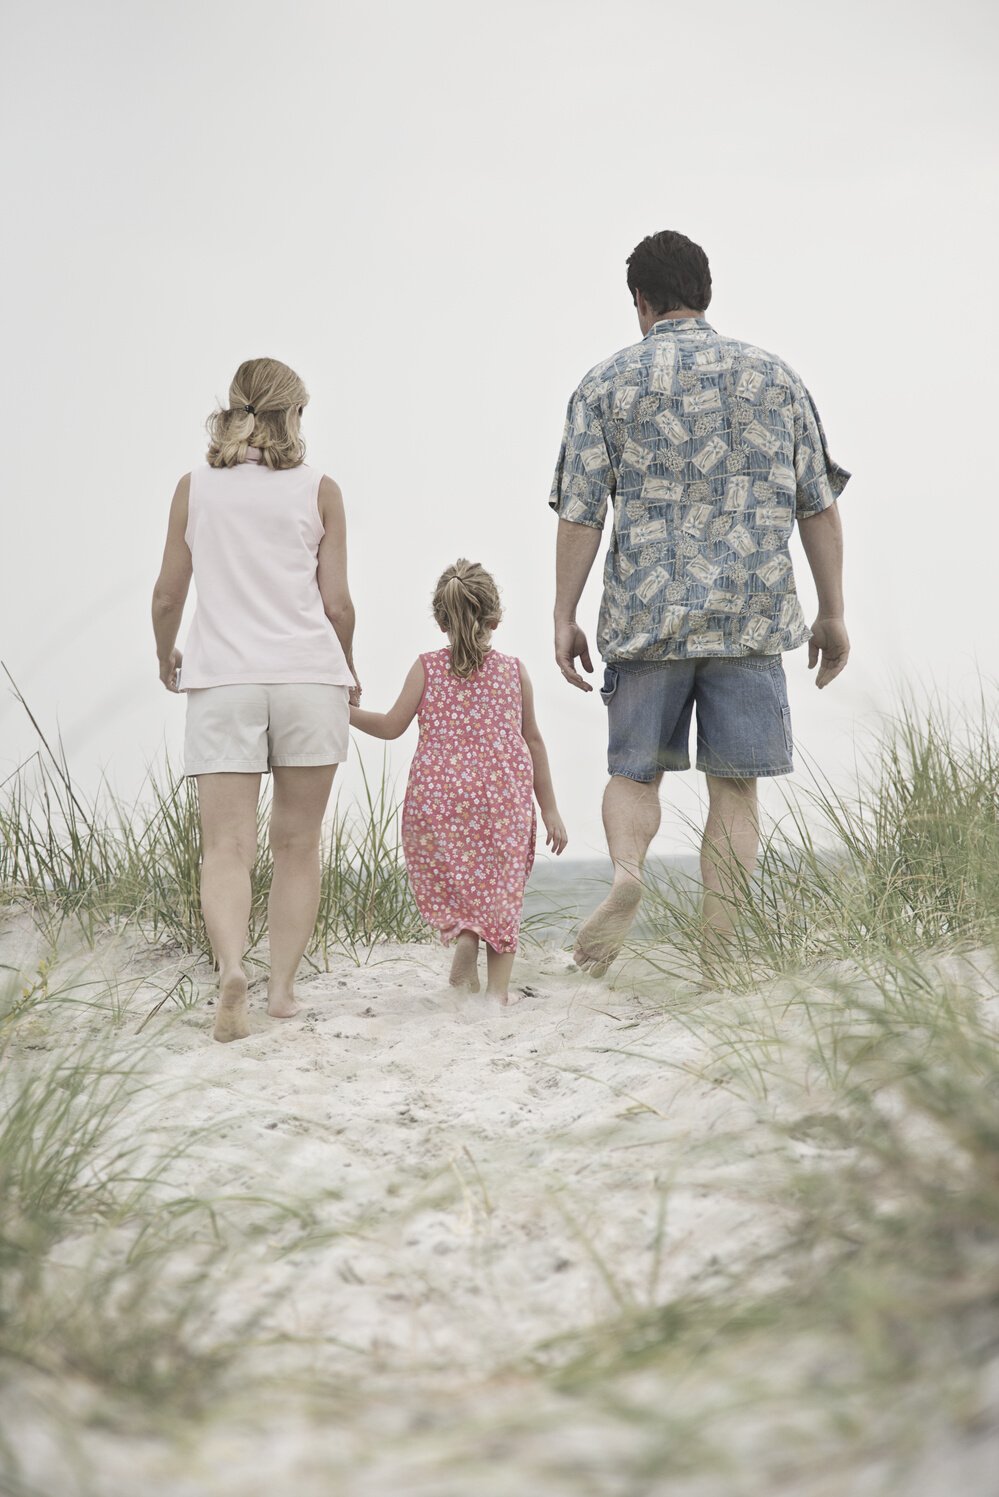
(709, 449)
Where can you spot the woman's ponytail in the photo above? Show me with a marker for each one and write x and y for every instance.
(266, 400)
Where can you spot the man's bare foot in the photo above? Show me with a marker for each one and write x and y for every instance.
(465, 962)
(232, 1021)
(602, 935)
(282, 1004)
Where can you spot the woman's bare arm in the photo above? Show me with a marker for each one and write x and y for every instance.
(172, 586)
(332, 572)
(393, 724)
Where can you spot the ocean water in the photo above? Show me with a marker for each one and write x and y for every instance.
(561, 894)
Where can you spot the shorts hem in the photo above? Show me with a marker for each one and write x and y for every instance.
(306, 761)
(643, 777)
(225, 766)
(759, 773)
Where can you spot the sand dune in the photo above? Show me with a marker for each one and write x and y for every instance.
(480, 1183)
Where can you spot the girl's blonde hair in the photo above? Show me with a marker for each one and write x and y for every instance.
(266, 399)
(467, 605)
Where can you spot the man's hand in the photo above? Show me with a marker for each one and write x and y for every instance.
(570, 642)
(169, 668)
(830, 639)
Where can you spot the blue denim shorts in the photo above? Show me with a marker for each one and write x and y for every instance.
(743, 719)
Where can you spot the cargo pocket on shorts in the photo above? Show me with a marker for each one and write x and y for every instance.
(610, 684)
(785, 713)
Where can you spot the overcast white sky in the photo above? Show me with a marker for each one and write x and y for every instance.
(425, 208)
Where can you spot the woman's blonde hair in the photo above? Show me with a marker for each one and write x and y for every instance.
(266, 399)
(467, 605)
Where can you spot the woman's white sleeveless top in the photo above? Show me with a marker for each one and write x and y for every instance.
(254, 536)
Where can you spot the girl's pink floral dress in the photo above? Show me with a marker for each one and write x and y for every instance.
(468, 823)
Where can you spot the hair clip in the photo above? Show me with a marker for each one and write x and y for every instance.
(250, 410)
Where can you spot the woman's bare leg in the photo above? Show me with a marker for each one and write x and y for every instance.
(228, 805)
(465, 963)
(300, 796)
(499, 965)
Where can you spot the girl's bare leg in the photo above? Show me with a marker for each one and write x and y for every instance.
(499, 965)
(300, 796)
(465, 963)
(228, 805)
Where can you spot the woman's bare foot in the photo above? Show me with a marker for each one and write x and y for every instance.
(465, 963)
(282, 1004)
(232, 1021)
(601, 936)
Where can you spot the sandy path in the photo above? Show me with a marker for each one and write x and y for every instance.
(481, 1182)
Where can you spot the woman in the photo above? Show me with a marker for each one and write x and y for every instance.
(268, 668)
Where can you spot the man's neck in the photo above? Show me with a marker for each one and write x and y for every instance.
(651, 318)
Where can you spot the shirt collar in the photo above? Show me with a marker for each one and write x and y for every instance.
(680, 325)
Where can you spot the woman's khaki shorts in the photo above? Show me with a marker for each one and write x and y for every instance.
(252, 729)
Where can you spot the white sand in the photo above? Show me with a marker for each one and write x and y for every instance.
(482, 1180)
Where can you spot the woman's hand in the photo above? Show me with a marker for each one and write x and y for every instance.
(354, 696)
(169, 668)
(557, 837)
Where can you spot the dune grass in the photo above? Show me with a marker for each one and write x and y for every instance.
(854, 1016)
(908, 859)
(97, 864)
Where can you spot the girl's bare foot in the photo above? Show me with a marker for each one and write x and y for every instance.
(601, 936)
(232, 1021)
(465, 963)
(506, 998)
(282, 1004)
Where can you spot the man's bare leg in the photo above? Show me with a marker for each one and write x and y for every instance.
(631, 819)
(465, 962)
(728, 855)
(228, 805)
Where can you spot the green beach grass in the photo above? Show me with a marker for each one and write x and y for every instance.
(851, 1031)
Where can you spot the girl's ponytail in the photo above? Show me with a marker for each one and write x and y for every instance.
(467, 606)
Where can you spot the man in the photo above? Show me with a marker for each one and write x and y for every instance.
(710, 449)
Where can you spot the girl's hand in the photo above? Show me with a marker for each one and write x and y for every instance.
(354, 698)
(557, 837)
(169, 668)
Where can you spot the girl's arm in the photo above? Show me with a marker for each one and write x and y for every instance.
(331, 573)
(170, 592)
(393, 724)
(543, 789)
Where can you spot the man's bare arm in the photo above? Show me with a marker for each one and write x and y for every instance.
(575, 550)
(822, 541)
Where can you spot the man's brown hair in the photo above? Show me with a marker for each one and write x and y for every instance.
(670, 271)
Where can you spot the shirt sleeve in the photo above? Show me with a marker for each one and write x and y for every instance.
(584, 475)
(818, 480)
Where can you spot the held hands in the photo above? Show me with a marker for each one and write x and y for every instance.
(169, 668)
(831, 641)
(570, 641)
(556, 837)
(354, 695)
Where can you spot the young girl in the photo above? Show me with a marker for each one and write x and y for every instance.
(468, 822)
